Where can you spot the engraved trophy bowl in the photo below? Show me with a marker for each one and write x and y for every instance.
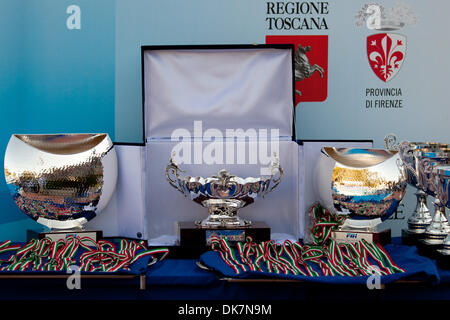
(411, 154)
(366, 185)
(223, 194)
(61, 180)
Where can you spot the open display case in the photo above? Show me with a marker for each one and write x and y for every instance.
(218, 107)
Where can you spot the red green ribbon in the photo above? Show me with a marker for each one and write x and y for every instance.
(47, 255)
(293, 258)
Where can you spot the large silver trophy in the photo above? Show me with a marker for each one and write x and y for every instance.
(419, 160)
(366, 185)
(61, 180)
(443, 184)
(436, 180)
(224, 194)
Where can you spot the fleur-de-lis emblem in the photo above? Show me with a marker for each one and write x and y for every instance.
(386, 53)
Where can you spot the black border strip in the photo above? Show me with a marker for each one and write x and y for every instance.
(138, 144)
(217, 46)
(209, 47)
(301, 141)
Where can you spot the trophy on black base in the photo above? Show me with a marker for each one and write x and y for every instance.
(223, 195)
(366, 185)
(443, 254)
(61, 180)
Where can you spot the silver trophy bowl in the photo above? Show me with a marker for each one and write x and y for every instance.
(61, 180)
(367, 185)
(224, 194)
(411, 154)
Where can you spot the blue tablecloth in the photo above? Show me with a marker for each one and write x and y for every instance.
(174, 272)
(186, 272)
(181, 279)
(444, 276)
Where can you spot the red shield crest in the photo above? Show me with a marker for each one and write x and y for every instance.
(386, 52)
(310, 64)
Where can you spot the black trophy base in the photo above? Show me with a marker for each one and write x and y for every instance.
(443, 260)
(411, 238)
(195, 240)
(63, 234)
(352, 236)
(429, 250)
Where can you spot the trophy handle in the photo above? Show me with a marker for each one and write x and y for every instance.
(172, 175)
(402, 168)
(445, 190)
(390, 142)
(426, 176)
(442, 188)
(276, 174)
(406, 151)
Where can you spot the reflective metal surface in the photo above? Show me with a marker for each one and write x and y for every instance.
(366, 184)
(439, 227)
(443, 181)
(412, 154)
(61, 180)
(426, 161)
(438, 231)
(421, 217)
(223, 195)
(430, 181)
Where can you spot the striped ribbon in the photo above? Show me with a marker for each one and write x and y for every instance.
(323, 223)
(290, 258)
(103, 256)
(331, 258)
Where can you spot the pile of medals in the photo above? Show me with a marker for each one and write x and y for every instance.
(87, 254)
(325, 257)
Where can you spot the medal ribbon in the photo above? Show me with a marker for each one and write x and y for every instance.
(292, 258)
(46, 255)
